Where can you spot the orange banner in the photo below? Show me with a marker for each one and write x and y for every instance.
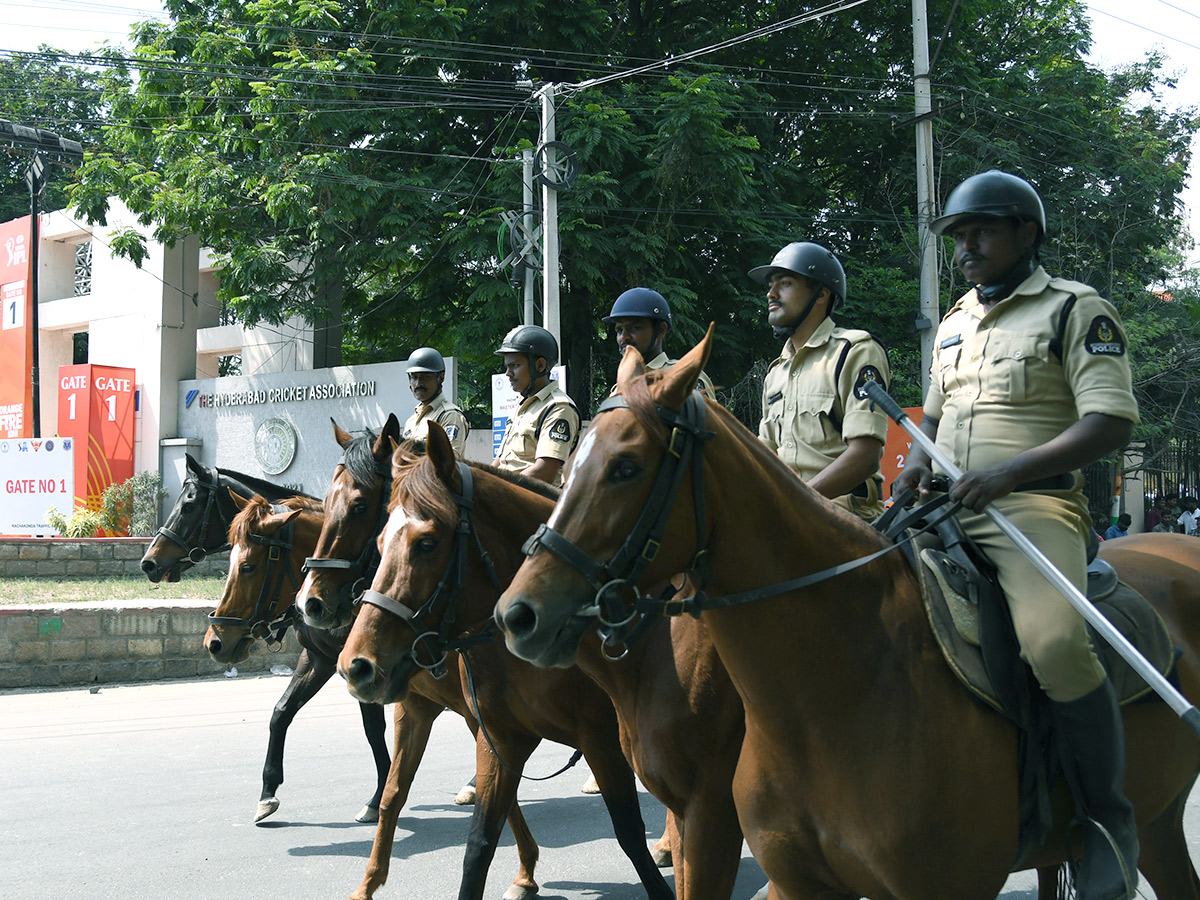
(16, 333)
(895, 451)
(96, 410)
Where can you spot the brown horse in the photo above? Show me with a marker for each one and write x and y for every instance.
(680, 719)
(866, 769)
(270, 542)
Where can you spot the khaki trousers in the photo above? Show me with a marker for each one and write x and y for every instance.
(1052, 634)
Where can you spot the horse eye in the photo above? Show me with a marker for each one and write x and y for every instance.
(360, 508)
(247, 568)
(425, 545)
(624, 470)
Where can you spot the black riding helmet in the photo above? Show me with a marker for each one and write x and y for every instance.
(533, 341)
(813, 262)
(993, 193)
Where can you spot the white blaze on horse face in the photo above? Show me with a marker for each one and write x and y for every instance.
(397, 520)
(235, 558)
(581, 456)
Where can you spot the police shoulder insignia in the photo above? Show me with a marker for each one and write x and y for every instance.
(865, 375)
(1103, 338)
(560, 431)
(451, 431)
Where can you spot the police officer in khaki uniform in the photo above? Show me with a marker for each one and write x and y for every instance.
(816, 416)
(540, 437)
(641, 317)
(426, 377)
(1030, 381)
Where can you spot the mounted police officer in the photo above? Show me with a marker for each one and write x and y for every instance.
(1030, 381)
(426, 377)
(815, 414)
(641, 317)
(540, 437)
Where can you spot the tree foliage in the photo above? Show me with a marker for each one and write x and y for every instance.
(352, 158)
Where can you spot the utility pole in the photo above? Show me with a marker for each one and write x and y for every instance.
(35, 176)
(527, 213)
(550, 313)
(929, 313)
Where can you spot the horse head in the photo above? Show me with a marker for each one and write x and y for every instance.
(346, 556)
(435, 580)
(194, 527)
(266, 553)
(605, 536)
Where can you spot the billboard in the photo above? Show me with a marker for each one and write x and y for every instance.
(96, 408)
(16, 332)
(35, 475)
(895, 451)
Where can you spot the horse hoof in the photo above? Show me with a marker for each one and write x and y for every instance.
(590, 786)
(465, 797)
(265, 808)
(662, 858)
(520, 892)
(367, 814)
(762, 892)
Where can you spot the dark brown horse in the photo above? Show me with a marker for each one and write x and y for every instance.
(680, 719)
(269, 546)
(431, 550)
(866, 769)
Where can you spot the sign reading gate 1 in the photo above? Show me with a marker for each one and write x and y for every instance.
(96, 408)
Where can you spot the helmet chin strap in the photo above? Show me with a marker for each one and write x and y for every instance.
(530, 390)
(783, 332)
(991, 293)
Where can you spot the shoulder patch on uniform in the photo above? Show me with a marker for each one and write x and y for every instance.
(1104, 338)
(866, 375)
(560, 431)
(775, 398)
(451, 431)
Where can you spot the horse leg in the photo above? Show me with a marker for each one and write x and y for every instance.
(373, 727)
(308, 677)
(414, 722)
(1164, 858)
(662, 847)
(710, 845)
(523, 885)
(619, 790)
(495, 797)
(1047, 883)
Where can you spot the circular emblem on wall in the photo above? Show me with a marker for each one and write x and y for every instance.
(275, 445)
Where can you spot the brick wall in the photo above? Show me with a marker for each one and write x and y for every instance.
(85, 558)
(46, 646)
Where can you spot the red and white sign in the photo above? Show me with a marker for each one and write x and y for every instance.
(895, 450)
(16, 336)
(96, 408)
(35, 475)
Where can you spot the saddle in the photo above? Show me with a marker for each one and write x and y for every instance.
(974, 630)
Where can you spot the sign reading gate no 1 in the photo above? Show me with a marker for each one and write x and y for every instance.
(95, 407)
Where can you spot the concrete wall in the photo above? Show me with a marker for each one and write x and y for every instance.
(47, 646)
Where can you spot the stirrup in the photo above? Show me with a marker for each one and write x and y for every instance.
(1130, 878)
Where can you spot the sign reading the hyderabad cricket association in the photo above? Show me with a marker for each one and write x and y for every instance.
(34, 476)
(96, 408)
(16, 335)
(506, 402)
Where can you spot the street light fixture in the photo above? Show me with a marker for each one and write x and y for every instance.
(36, 176)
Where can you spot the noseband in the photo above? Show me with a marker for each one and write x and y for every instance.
(367, 563)
(260, 624)
(620, 574)
(197, 553)
(448, 590)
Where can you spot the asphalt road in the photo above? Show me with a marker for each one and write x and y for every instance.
(148, 791)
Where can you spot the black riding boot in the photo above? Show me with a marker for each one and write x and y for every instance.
(1092, 744)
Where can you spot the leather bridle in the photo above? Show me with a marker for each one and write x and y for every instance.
(196, 553)
(437, 641)
(367, 563)
(260, 624)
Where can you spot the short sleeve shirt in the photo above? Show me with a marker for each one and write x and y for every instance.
(662, 361)
(814, 400)
(546, 425)
(999, 384)
(446, 414)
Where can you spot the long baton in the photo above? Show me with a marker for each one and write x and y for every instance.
(1106, 630)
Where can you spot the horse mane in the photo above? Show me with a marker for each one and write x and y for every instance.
(266, 489)
(417, 489)
(259, 508)
(359, 459)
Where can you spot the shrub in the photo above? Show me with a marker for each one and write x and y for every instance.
(82, 523)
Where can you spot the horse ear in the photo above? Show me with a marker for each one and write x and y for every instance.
(193, 464)
(389, 438)
(392, 427)
(238, 500)
(340, 435)
(278, 521)
(441, 454)
(680, 380)
(632, 365)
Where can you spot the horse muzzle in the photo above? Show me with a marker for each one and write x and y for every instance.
(536, 636)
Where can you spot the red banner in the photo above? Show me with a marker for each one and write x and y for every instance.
(895, 451)
(16, 333)
(95, 409)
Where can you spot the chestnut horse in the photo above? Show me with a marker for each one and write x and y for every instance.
(680, 719)
(519, 704)
(866, 769)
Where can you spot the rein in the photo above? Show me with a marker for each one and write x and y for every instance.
(367, 563)
(621, 625)
(260, 624)
(197, 553)
(449, 588)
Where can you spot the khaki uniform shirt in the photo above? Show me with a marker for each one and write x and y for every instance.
(446, 414)
(662, 361)
(546, 425)
(813, 400)
(997, 387)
